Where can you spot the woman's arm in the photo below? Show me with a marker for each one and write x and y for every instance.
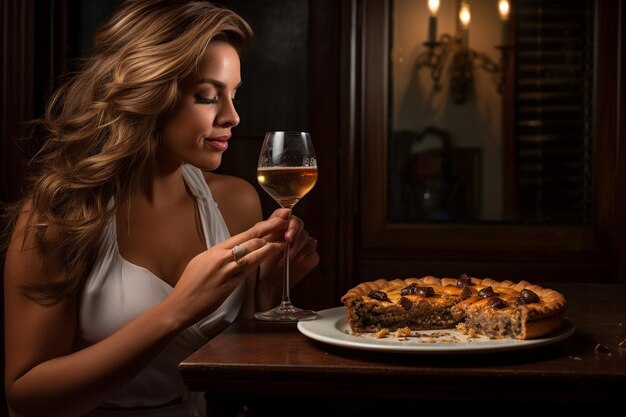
(44, 374)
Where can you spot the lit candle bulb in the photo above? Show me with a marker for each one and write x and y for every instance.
(504, 8)
(433, 6)
(465, 17)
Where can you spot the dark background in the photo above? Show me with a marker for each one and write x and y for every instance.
(310, 68)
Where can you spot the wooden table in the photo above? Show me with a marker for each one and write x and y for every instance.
(268, 365)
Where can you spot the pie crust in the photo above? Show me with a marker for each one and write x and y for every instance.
(497, 309)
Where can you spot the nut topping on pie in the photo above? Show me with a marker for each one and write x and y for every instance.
(464, 280)
(484, 306)
(527, 297)
(405, 303)
(378, 295)
(414, 289)
(487, 292)
(496, 303)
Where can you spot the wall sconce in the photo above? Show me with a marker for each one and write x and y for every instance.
(464, 59)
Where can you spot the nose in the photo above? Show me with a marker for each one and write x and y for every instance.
(228, 116)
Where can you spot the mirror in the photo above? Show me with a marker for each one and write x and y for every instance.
(490, 115)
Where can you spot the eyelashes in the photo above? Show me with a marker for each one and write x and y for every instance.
(205, 100)
(212, 100)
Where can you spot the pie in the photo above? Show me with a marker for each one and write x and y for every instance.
(497, 309)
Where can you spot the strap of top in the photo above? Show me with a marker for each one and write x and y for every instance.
(217, 230)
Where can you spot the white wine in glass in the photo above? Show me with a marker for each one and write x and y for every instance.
(287, 170)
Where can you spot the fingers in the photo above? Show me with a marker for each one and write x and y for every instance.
(296, 225)
(274, 226)
(308, 248)
(239, 252)
(251, 247)
(298, 237)
(281, 225)
(283, 213)
(279, 234)
(250, 254)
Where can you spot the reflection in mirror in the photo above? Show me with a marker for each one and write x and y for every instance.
(431, 180)
(494, 149)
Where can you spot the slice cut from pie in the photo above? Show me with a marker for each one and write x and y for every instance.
(496, 309)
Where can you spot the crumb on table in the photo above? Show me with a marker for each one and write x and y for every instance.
(602, 348)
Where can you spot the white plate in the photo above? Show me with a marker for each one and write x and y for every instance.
(332, 327)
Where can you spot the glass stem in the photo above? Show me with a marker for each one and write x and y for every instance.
(286, 301)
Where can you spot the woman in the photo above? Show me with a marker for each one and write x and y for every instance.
(121, 262)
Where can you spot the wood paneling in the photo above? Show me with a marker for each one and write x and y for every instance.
(620, 223)
(34, 39)
(323, 117)
(16, 85)
(17, 20)
(349, 129)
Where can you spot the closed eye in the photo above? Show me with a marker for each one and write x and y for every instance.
(206, 100)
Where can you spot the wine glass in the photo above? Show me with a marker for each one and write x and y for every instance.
(287, 170)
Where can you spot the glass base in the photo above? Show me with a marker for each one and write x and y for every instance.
(286, 312)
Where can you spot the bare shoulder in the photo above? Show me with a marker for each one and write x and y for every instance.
(23, 253)
(237, 200)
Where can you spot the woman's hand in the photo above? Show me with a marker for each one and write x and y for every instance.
(303, 256)
(214, 274)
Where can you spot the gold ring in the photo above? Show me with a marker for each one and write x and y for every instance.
(238, 252)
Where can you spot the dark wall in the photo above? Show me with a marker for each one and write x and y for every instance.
(274, 94)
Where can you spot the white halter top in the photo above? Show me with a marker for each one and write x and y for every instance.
(117, 291)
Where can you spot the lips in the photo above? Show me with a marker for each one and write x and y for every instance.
(218, 142)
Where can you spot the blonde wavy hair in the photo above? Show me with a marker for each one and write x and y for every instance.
(101, 127)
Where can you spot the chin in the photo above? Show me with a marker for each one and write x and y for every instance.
(207, 164)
